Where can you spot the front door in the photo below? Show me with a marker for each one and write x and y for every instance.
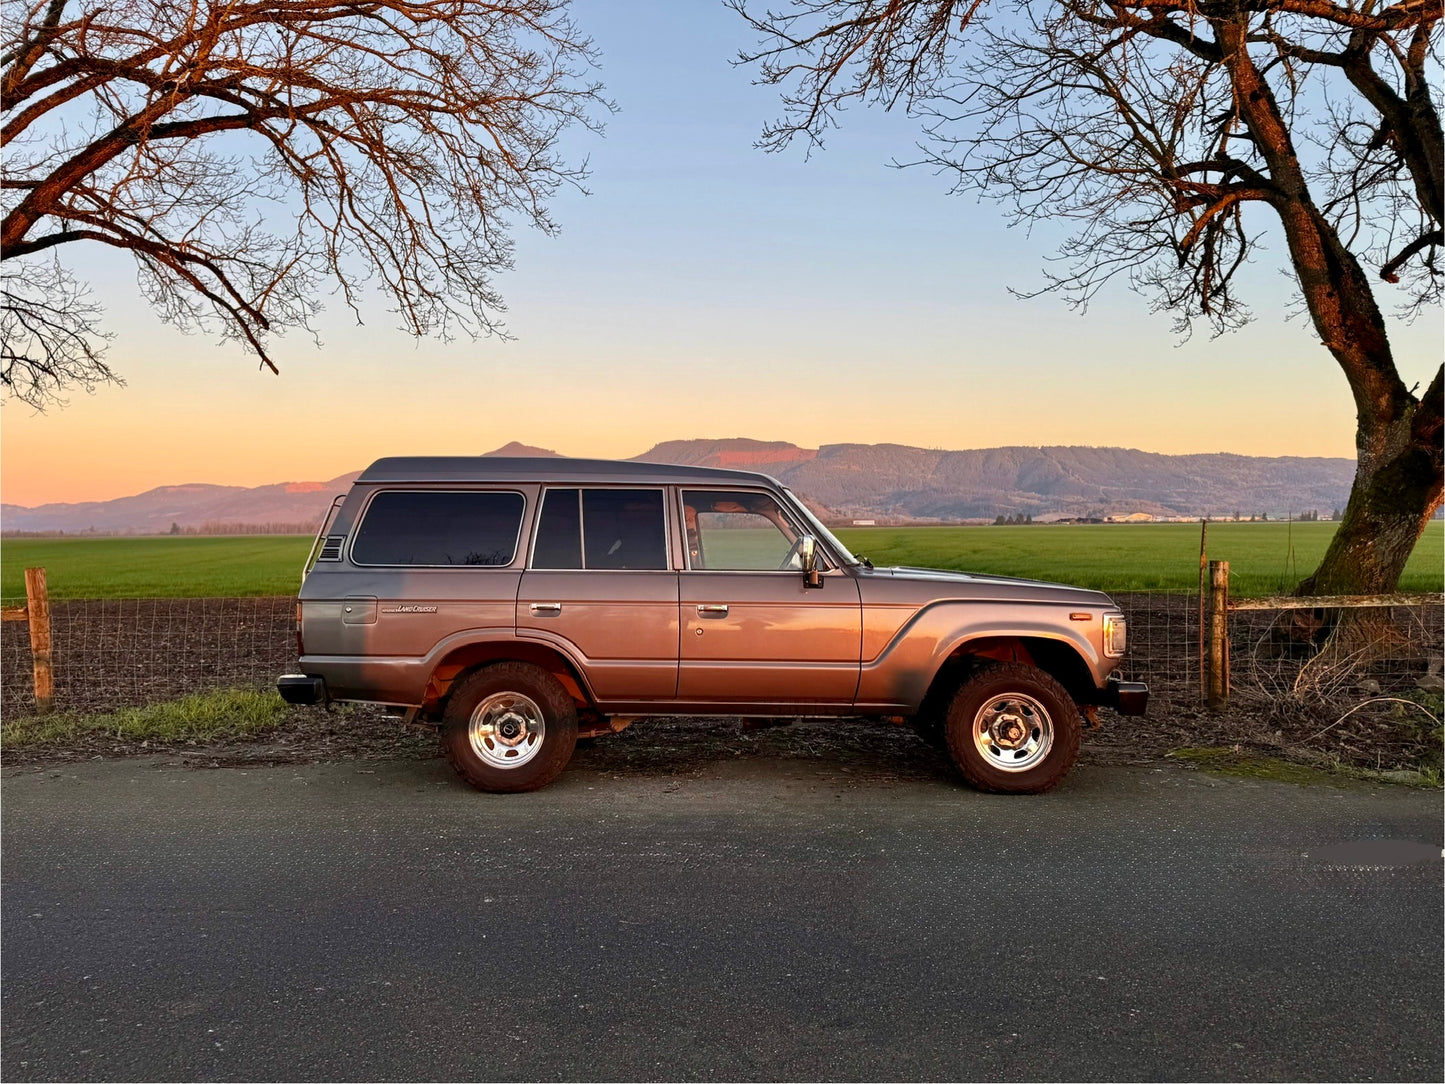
(600, 585)
(752, 631)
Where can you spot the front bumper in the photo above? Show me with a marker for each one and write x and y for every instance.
(1125, 697)
(300, 689)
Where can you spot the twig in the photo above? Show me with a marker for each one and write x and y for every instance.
(1375, 700)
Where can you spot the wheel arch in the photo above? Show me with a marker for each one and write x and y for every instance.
(463, 658)
(1056, 657)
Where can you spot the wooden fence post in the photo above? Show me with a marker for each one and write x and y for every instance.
(1203, 602)
(37, 604)
(1216, 689)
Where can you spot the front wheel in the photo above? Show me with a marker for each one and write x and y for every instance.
(1012, 729)
(509, 727)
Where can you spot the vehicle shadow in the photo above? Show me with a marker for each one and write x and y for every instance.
(682, 746)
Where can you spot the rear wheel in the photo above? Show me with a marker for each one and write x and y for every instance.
(1012, 729)
(509, 727)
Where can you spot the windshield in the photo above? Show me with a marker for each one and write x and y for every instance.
(822, 532)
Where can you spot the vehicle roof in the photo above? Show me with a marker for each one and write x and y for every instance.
(483, 468)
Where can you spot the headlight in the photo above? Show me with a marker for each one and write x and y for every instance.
(1115, 635)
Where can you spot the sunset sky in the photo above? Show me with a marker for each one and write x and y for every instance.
(706, 289)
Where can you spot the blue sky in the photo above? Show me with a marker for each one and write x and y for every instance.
(706, 289)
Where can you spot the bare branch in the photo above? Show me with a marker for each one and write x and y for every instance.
(249, 152)
(49, 340)
(1433, 239)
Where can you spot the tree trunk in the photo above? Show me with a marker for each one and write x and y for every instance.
(1390, 503)
(1397, 485)
(1396, 491)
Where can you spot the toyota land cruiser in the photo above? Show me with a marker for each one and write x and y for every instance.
(515, 603)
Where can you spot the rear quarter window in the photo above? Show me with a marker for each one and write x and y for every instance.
(419, 527)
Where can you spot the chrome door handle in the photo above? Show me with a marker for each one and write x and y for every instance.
(716, 608)
(546, 607)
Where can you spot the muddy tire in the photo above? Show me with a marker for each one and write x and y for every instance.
(1012, 729)
(509, 727)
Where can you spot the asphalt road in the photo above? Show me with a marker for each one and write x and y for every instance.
(784, 920)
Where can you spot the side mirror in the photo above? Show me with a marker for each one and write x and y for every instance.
(808, 555)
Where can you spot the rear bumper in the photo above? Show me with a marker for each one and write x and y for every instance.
(1125, 697)
(300, 689)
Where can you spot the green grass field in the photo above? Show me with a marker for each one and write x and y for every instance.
(1148, 557)
(1129, 557)
(224, 567)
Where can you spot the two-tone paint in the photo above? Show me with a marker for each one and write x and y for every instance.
(676, 640)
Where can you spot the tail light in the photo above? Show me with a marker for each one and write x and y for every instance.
(300, 644)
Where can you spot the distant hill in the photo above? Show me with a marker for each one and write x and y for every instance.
(518, 449)
(738, 453)
(194, 505)
(894, 480)
(849, 481)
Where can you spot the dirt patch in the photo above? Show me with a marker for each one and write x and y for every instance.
(662, 745)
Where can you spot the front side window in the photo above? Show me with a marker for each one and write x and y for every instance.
(428, 528)
(738, 532)
(612, 529)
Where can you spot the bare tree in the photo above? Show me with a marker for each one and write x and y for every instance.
(1161, 127)
(251, 153)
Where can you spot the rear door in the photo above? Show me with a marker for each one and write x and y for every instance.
(600, 585)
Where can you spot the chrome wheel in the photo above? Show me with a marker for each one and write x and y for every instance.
(506, 730)
(1013, 732)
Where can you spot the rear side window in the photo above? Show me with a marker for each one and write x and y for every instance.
(618, 529)
(419, 527)
(559, 531)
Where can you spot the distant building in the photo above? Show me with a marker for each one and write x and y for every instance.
(1132, 517)
(865, 523)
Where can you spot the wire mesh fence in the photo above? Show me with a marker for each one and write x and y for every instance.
(1358, 686)
(1163, 641)
(112, 653)
(1331, 658)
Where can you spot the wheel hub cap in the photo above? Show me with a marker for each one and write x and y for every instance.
(506, 730)
(1013, 732)
(1009, 731)
(511, 729)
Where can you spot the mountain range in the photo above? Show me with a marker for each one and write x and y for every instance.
(883, 482)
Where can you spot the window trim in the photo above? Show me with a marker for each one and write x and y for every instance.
(670, 568)
(829, 560)
(360, 522)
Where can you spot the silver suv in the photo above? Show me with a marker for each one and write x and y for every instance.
(520, 603)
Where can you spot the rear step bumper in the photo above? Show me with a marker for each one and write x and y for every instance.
(300, 689)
